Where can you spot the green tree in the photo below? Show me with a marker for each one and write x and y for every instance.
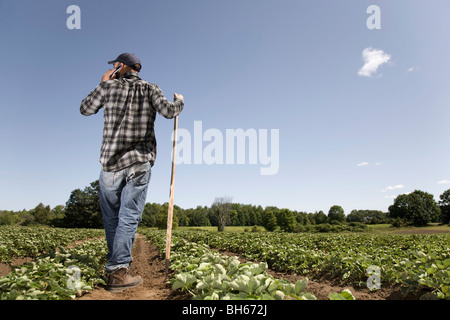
(269, 221)
(416, 208)
(83, 208)
(161, 218)
(319, 217)
(199, 216)
(286, 220)
(57, 215)
(41, 214)
(234, 218)
(336, 214)
(149, 214)
(302, 218)
(444, 205)
(8, 218)
(367, 216)
(356, 216)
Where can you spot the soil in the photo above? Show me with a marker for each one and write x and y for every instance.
(6, 268)
(148, 264)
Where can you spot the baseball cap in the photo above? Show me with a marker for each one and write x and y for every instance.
(128, 59)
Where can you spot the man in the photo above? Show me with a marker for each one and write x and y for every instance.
(127, 154)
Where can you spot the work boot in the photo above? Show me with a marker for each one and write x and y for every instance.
(120, 280)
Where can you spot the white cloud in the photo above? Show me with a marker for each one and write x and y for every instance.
(373, 58)
(378, 164)
(444, 181)
(413, 69)
(390, 188)
(362, 164)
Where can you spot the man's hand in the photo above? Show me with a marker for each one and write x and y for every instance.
(178, 96)
(107, 76)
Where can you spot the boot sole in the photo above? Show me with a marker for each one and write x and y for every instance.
(116, 289)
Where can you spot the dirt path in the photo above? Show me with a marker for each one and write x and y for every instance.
(147, 264)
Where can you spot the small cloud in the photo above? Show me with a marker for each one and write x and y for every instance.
(390, 188)
(362, 164)
(413, 69)
(373, 59)
(444, 181)
(395, 196)
(378, 164)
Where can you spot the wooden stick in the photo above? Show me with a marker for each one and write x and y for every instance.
(171, 197)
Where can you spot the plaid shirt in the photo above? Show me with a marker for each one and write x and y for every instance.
(130, 105)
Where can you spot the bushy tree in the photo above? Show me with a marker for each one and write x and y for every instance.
(367, 216)
(417, 208)
(41, 214)
(318, 217)
(161, 218)
(336, 214)
(83, 208)
(444, 205)
(149, 214)
(286, 220)
(198, 216)
(269, 221)
(8, 218)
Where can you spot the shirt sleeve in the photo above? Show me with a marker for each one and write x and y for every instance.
(93, 102)
(164, 107)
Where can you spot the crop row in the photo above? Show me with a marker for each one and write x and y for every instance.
(208, 275)
(412, 260)
(60, 275)
(18, 241)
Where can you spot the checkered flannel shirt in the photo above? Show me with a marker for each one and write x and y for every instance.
(130, 105)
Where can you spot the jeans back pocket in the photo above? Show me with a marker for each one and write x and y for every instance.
(140, 173)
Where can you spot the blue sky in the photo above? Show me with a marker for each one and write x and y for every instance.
(345, 138)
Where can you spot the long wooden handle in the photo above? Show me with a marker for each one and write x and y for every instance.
(171, 197)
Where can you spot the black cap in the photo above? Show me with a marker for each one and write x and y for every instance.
(127, 59)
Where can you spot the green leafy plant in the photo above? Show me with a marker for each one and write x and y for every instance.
(47, 276)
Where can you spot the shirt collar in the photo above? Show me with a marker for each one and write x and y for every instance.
(130, 75)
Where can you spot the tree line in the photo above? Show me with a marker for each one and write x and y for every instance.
(82, 210)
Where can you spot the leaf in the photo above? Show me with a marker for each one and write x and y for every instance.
(274, 285)
(308, 296)
(336, 296)
(220, 269)
(278, 295)
(300, 286)
(344, 295)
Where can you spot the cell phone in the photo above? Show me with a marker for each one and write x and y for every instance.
(115, 71)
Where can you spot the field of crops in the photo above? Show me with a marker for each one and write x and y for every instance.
(415, 261)
(60, 268)
(68, 262)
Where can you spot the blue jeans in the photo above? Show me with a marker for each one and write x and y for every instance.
(122, 200)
